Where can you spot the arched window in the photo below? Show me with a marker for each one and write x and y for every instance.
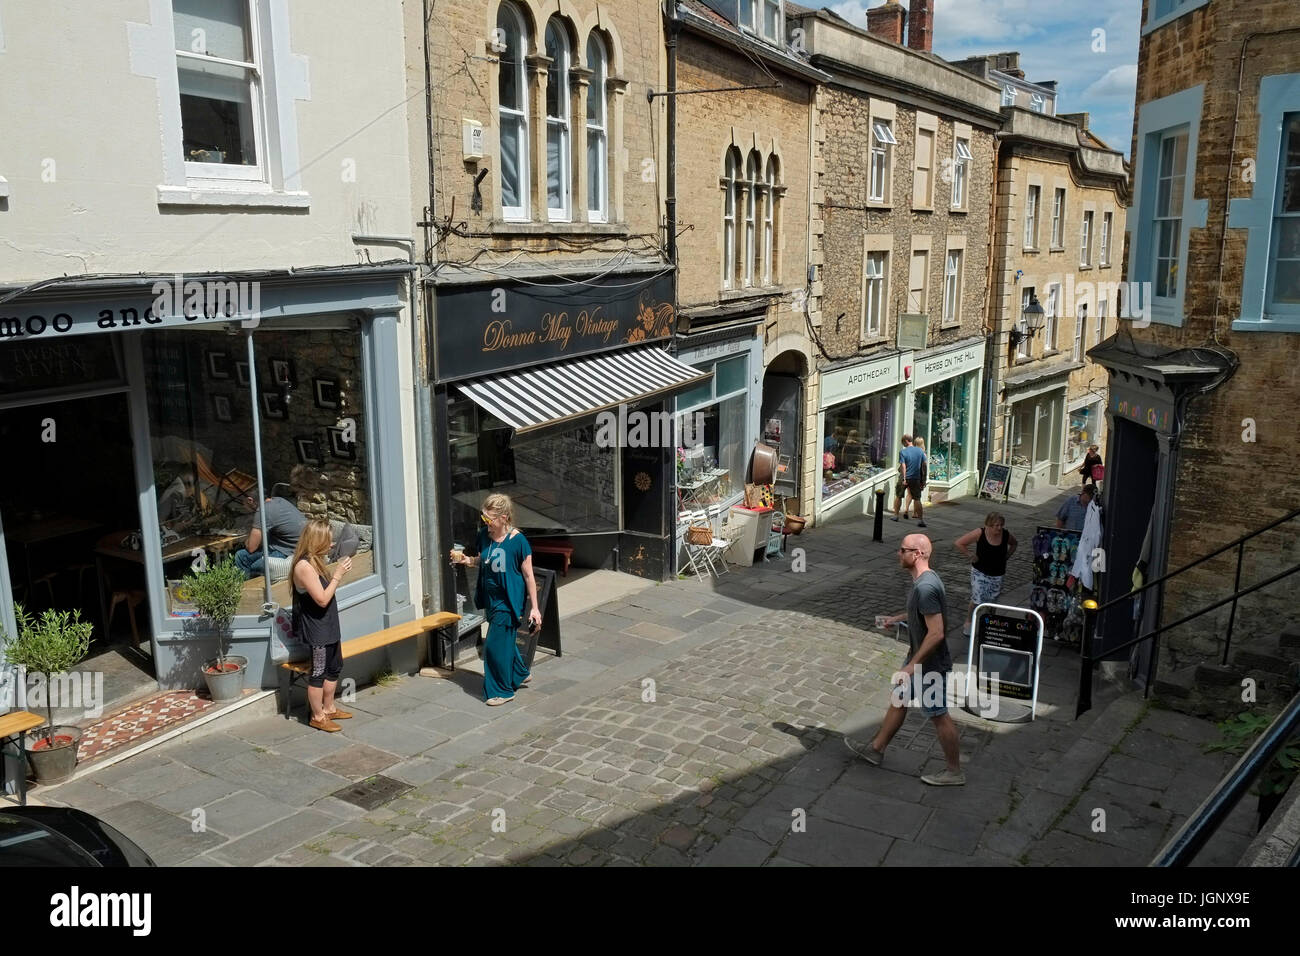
(597, 133)
(512, 99)
(752, 178)
(731, 197)
(558, 161)
(770, 220)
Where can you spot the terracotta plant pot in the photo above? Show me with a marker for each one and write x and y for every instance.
(794, 524)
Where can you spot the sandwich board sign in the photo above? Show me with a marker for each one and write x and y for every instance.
(1006, 647)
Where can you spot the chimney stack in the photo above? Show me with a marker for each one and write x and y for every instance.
(920, 25)
(886, 21)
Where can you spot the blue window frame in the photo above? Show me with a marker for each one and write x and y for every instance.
(1161, 12)
(1270, 290)
(1164, 211)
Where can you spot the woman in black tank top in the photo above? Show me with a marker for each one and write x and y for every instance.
(993, 546)
(316, 620)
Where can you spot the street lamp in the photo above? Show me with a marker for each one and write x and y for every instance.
(1034, 319)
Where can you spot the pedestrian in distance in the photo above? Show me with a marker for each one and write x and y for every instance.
(919, 443)
(994, 545)
(924, 677)
(900, 485)
(316, 620)
(1090, 461)
(1074, 509)
(505, 563)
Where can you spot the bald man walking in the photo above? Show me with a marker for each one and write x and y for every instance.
(924, 677)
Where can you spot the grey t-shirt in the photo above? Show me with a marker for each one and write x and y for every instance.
(284, 524)
(928, 597)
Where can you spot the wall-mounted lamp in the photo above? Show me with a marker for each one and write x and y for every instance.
(1034, 319)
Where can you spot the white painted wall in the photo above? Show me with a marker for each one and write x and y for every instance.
(75, 89)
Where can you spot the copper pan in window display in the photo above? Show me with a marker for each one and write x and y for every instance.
(764, 468)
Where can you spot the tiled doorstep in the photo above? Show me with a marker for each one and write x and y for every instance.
(179, 730)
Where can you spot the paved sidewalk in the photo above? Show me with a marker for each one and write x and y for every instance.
(692, 722)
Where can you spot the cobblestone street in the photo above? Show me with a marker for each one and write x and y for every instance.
(692, 724)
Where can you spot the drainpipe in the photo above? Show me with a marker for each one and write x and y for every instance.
(991, 348)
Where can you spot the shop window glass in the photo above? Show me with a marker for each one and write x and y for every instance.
(309, 392)
(729, 376)
(942, 418)
(711, 435)
(87, 360)
(1084, 423)
(561, 482)
(858, 442)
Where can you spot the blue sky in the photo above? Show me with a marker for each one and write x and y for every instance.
(1055, 39)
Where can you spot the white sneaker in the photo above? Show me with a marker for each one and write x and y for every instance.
(945, 778)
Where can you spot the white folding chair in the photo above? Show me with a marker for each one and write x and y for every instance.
(697, 558)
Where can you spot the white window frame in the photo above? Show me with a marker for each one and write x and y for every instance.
(1107, 225)
(519, 213)
(1160, 220)
(875, 280)
(1099, 331)
(1009, 94)
(1033, 203)
(1052, 307)
(926, 201)
(562, 123)
(769, 220)
(1024, 345)
(778, 21)
(730, 202)
(961, 157)
(1080, 326)
(1037, 102)
(747, 15)
(1085, 238)
(921, 307)
(952, 287)
(753, 167)
(598, 130)
(882, 147)
(1058, 218)
(258, 172)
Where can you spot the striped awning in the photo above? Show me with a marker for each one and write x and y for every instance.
(553, 394)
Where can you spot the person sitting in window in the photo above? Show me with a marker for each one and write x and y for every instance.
(834, 441)
(284, 524)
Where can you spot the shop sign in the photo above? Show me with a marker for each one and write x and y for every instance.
(484, 329)
(843, 384)
(1143, 409)
(1006, 646)
(936, 368)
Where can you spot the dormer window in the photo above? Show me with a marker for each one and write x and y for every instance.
(763, 18)
(1009, 95)
(1036, 102)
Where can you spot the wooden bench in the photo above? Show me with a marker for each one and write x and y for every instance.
(17, 724)
(295, 671)
(559, 548)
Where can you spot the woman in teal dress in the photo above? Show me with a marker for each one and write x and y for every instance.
(505, 563)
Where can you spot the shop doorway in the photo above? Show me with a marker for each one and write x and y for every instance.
(68, 493)
(780, 421)
(1132, 462)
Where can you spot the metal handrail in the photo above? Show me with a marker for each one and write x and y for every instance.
(1204, 823)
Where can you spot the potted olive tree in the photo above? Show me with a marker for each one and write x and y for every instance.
(50, 646)
(216, 593)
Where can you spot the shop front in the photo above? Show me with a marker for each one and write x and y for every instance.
(947, 385)
(716, 421)
(145, 423)
(1086, 425)
(862, 408)
(1035, 425)
(560, 393)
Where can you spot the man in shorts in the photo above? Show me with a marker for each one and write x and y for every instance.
(900, 485)
(924, 677)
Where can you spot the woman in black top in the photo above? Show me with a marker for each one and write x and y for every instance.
(1090, 459)
(993, 546)
(316, 620)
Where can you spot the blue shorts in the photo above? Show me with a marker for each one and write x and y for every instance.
(931, 694)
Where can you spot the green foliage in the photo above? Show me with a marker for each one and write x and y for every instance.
(1237, 735)
(216, 593)
(51, 644)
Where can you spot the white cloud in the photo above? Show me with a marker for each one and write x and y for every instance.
(1121, 81)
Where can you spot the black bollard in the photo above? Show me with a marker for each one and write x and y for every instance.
(1086, 664)
(878, 534)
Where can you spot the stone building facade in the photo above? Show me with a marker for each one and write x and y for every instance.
(907, 146)
(1061, 203)
(1203, 388)
(746, 183)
